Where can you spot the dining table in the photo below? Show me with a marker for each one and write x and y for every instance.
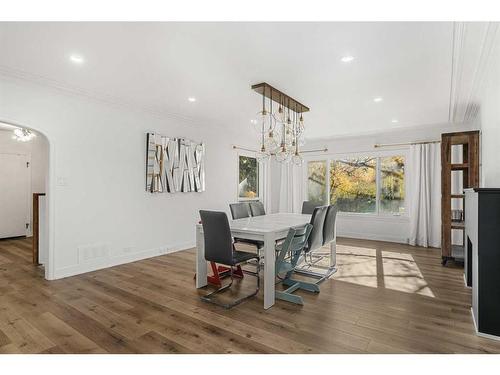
(266, 228)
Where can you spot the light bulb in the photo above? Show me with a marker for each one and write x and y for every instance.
(262, 156)
(270, 143)
(283, 155)
(297, 159)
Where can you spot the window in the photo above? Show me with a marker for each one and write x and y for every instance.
(248, 178)
(316, 182)
(392, 185)
(353, 184)
(365, 184)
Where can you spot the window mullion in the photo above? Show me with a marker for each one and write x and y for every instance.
(377, 192)
(327, 181)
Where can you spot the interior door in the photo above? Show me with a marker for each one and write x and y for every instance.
(14, 205)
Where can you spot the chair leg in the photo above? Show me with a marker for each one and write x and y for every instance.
(289, 297)
(207, 298)
(310, 287)
(317, 275)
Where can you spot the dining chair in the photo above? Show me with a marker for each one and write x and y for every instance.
(315, 240)
(308, 207)
(219, 248)
(326, 214)
(240, 211)
(289, 253)
(257, 209)
(329, 226)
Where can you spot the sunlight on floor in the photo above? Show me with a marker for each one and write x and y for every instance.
(380, 269)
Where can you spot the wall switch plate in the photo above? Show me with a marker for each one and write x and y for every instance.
(61, 181)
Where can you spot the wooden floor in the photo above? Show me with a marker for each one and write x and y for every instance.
(386, 298)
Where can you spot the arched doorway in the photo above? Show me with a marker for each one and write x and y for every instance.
(24, 196)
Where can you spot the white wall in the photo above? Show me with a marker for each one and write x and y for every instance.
(488, 118)
(384, 228)
(37, 152)
(96, 194)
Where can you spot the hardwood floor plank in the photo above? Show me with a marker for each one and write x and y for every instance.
(409, 303)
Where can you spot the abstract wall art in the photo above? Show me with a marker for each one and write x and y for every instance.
(174, 164)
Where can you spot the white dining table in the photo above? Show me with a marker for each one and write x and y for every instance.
(266, 228)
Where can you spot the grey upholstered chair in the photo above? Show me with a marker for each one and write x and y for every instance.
(257, 209)
(308, 207)
(323, 220)
(317, 221)
(329, 226)
(239, 210)
(219, 249)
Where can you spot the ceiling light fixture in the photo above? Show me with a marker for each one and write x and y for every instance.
(394, 121)
(23, 135)
(377, 99)
(191, 99)
(347, 58)
(77, 59)
(281, 132)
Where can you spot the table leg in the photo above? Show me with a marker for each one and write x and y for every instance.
(201, 263)
(269, 277)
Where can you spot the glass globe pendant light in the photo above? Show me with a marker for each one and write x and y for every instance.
(296, 158)
(270, 143)
(264, 122)
(283, 155)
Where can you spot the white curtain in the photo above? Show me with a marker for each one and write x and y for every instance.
(424, 182)
(266, 194)
(290, 197)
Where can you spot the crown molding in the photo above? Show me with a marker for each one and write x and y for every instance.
(489, 43)
(464, 85)
(396, 129)
(113, 101)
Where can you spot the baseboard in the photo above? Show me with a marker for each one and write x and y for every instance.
(122, 259)
(372, 236)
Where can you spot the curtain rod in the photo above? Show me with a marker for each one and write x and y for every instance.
(404, 144)
(304, 152)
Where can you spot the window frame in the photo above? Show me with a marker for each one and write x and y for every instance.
(260, 176)
(375, 154)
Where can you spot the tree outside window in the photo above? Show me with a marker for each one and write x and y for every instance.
(352, 184)
(248, 183)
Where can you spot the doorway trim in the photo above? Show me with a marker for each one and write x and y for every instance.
(50, 197)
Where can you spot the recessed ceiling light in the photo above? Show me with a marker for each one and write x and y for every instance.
(191, 99)
(394, 121)
(77, 59)
(347, 58)
(253, 121)
(378, 99)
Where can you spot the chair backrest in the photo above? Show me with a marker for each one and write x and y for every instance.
(218, 241)
(329, 226)
(257, 209)
(317, 220)
(239, 210)
(295, 242)
(308, 207)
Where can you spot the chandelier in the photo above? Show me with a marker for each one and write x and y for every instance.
(23, 135)
(280, 125)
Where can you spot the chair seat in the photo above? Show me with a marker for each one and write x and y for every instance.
(259, 244)
(243, 256)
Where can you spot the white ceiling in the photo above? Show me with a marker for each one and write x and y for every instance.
(157, 66)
